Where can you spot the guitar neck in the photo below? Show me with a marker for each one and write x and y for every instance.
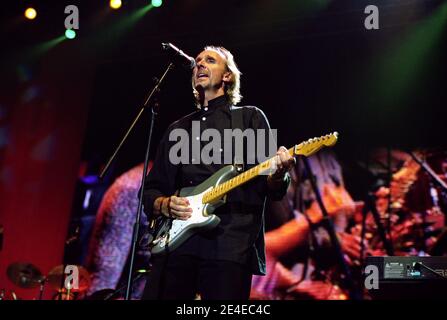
(305, 148)
(222, 189)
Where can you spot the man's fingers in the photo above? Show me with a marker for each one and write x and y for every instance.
(282, 149)
(285, 160)
(283, 157)
(180, 214)
(278, 162)
(179, 201)
(354, 250)
(180, 208)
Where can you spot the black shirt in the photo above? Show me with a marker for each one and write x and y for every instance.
(239, 237)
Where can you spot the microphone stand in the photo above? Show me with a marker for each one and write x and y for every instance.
(371, 206)
(42, 286)
(136, 226)
(439, 182)
(120, 289)
(430, 172)
(329, 226)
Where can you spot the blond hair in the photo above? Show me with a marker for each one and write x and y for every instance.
(232, 90)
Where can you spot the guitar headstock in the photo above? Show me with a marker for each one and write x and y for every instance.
(311, 146)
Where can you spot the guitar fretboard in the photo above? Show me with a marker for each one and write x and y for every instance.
(220, 190)
(305, 148)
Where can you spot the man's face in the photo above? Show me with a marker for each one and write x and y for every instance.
(210, 71)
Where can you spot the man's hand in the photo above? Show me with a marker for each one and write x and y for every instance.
(173, 207)
(351, 246)
(336, 200)
(283, 162)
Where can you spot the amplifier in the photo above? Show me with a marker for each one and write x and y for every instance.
(406, 268)
(407, 277)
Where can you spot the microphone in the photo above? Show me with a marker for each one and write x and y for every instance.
(179, 55)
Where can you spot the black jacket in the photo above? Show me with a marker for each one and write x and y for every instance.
(240, 235)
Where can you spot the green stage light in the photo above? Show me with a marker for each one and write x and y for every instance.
(157, 3)
(70, 34)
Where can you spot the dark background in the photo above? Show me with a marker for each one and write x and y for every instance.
(310, 65)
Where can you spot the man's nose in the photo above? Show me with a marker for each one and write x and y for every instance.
(200, 65)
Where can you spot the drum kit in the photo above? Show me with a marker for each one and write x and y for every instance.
(28, 276)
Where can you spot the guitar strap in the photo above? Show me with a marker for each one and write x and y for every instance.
(237, 123)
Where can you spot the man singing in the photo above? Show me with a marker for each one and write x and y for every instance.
(217, 264)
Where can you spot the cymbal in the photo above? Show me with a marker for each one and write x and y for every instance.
(56, 278)
(25, 275)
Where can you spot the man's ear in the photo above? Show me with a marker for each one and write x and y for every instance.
(227, 77)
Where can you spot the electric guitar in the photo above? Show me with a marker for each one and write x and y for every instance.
(206, 197)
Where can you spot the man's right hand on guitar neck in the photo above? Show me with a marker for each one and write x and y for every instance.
(173, 207)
